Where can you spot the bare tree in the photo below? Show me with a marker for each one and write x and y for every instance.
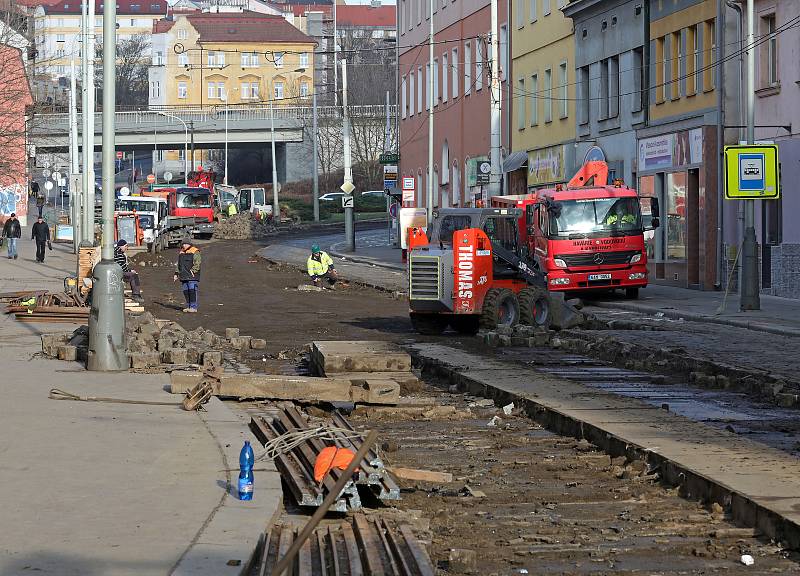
(133, 61)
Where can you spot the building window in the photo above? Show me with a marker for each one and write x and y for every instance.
(675, 68)
(428, 91)
(158, 58)
(411, 94)
(638, 96)
(445, 73)
(278, 91)
(709, 50)
(244, 90)
(691, 60)
(454, 77)
(59, 37)
(303, 59)
(602, 113)
(583, 101)
(420, 87)
(278, 59)
(502, 48)
(183, 59)
(136, 7)
(563, 101)
(532, 8)
(254, 92)
(403, 97)
(249, 59)
(182, 90)
(436, 93)
(467, 69)
(676, 215)
(661, 71)
(155, 89)
(613, 87)
(522, 99)
(548, 95)
(769, 52)
(545, 7)
(534, 100)
(519, 18)
(479, 45)
(183, 34)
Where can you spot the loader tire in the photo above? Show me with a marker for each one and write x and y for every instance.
(465, 323)
(534, 306)
(500, 308)
(428, 324)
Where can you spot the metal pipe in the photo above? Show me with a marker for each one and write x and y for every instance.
(314, 141)
(89, 193)
(495, 114)
(74, 166)
(349, 216)
(431, 102)
(720, 24)
(276, 209)
(87, 138)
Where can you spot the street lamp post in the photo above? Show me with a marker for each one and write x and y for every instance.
(225, 99)
(185, 140)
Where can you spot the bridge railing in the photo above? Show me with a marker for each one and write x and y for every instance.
(212, 114)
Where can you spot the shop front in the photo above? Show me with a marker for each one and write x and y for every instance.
(549, 166)
(680, 169)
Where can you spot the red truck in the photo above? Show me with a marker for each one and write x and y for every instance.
(587, 235)
(188, 201)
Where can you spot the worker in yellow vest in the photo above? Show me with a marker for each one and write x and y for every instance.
(320, 265)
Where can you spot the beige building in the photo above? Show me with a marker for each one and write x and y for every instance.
(235, 58)
(543, 103)
(57, 30)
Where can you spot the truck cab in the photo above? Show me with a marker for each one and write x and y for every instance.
(152, 215)
(196, 202)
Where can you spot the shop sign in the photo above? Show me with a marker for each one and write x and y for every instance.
(546, 165)
(656, 152)
(472, 169)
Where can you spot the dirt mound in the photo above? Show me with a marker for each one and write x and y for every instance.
(242, 226)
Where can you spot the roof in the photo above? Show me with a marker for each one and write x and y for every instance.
(355, 15)
(163, 25)
(126, 7)
(241, 27)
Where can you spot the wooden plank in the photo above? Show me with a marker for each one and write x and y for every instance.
(370, 546)
(333, 357)
(421, 475)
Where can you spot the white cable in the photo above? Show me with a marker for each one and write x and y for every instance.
(290, 440)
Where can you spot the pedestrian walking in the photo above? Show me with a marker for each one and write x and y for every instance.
(320, 265)
(40, 202)
(187, 271)
(41, 234)
(12, 231)
(128, 275)
(34, 189)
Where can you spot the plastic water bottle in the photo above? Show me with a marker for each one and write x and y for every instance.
(246, 472)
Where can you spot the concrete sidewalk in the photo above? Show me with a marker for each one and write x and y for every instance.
(777, 315)
(109, 488)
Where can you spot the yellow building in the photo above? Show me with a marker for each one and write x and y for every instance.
(235, 58)
(543, 103)
(57, 29)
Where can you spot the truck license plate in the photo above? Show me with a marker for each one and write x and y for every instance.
(606, 276)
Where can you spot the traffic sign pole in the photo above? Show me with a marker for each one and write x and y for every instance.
(749, 298)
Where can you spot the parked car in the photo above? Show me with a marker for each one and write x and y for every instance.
(331, 196)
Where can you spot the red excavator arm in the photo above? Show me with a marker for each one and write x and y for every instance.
(595, 169)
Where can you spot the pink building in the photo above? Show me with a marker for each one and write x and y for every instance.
(461, 109)
(15, 96)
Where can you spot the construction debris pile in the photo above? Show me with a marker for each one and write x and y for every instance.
(298, 465)
(43, 306)
(160, 346)
(243, 226)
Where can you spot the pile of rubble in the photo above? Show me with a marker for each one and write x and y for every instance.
(160, 345)
(243, 226)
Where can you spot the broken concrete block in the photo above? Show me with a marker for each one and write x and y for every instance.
(174, 356)
(164, 344)
(503, 340)
(333, 357)
(51, 342)
(145, 359)
(212, 359)
(786, 400)
(258, 344)
(211, 339)
(231, 333)
(241, 342)
(491, 339)
(69, 353)
(148, 330)
(461, 560)
(192, 356)
(504, 330)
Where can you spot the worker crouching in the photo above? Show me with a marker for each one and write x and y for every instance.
(188, 272)
(320, 265)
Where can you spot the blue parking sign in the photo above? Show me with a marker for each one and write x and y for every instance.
(751, 172)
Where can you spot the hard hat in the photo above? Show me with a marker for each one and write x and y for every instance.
(315, 248)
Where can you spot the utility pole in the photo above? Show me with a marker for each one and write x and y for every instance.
(749, 289)
(431, 102)
(347, 187)
(88, 193)
(335, 59)
(191, 128)
(495, 118)
(87, 138)
(314, 141)
(276, 209)
(107, 317)
(74, 162)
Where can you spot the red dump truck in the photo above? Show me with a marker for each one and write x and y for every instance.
(587, 234)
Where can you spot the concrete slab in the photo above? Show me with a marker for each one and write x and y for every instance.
(334, 356)
(761, 485)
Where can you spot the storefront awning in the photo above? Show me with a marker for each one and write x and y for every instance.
(514, 161)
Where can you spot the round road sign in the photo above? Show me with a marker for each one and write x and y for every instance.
(168, 176)
(393, 210)
(124, 191)
(56, 176)
(48, 185)
(46, 173)
(119, 155)
(151, 178)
